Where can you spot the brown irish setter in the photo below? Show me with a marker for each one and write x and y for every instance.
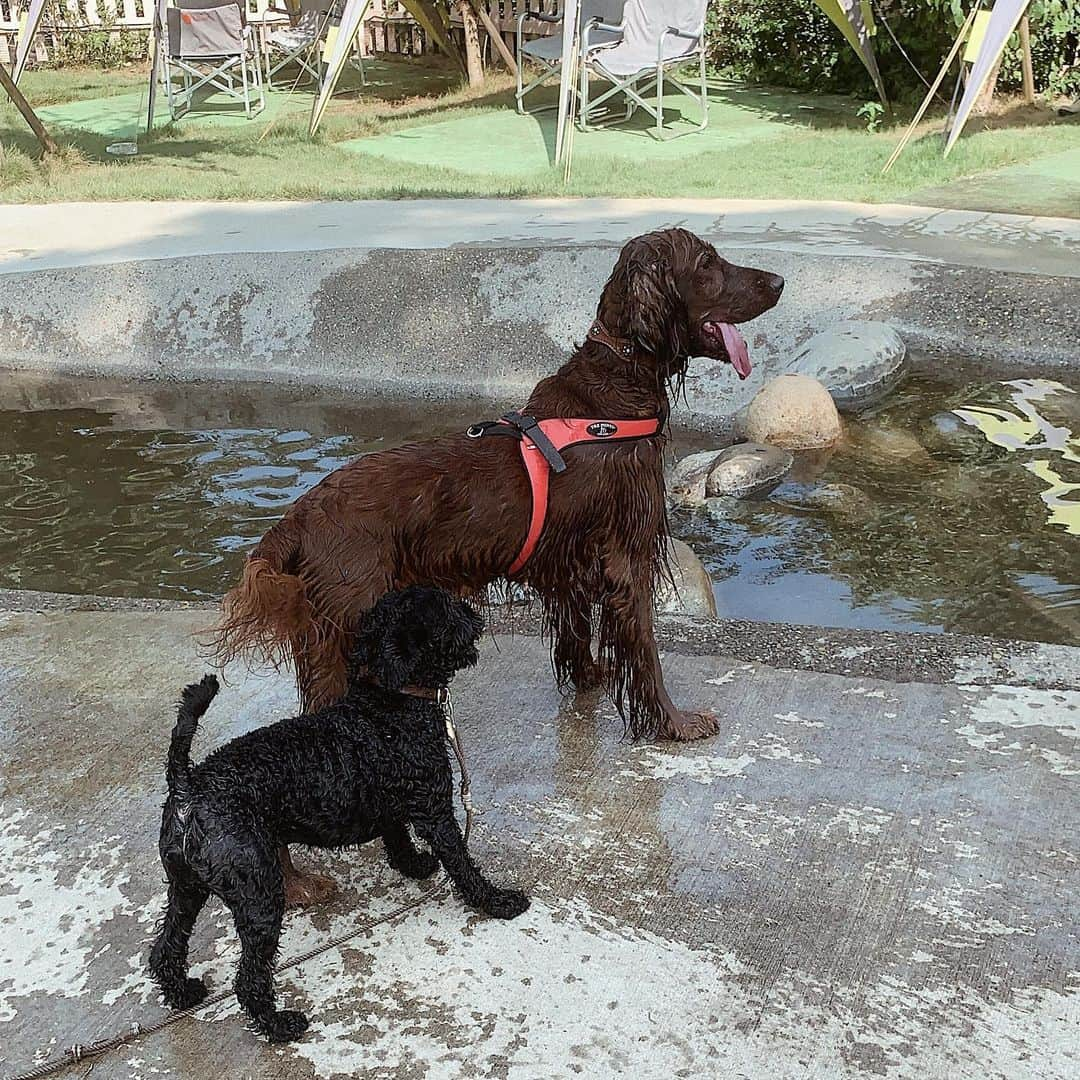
(453, 512)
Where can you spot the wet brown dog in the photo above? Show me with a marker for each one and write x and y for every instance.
(453, 512)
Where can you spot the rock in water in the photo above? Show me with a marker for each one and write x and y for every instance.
(794, 412)
(686, 480)
(693, 592)
(747, 470)
(858, 362)
(946, 435)
(844, 500)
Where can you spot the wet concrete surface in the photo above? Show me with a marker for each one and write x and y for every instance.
(859, 876)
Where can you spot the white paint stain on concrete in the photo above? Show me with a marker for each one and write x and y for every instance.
(49, 920)
(999, 717)
(656, 764)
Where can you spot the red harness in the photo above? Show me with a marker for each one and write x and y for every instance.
(541, 443)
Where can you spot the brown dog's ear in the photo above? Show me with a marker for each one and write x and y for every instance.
(652, 308)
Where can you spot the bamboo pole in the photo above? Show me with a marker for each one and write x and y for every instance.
(1025, 60)
(960, 39)
(48, 146)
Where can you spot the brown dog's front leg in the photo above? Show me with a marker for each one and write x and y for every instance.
(628, 643)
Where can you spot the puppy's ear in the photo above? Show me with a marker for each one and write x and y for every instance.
(375, 652)
(390, 666)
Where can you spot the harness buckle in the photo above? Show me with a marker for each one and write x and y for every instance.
(474, 431)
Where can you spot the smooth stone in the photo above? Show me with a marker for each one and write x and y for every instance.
(839, 498)
(793, 412)
(857, 361)
(747, 470)
(884, 443)
(946, 435)
(686, 479)
(692, 595)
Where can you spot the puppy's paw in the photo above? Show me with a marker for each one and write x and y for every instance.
(418, 865)
(194, 993)
(184, 994)
(283, 1026)
(506, 904)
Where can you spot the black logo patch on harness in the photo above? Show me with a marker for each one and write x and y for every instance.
(602, 429)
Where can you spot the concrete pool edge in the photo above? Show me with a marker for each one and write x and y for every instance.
(442, 323)
(870, 654)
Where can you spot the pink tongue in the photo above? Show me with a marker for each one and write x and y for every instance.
(736, 349)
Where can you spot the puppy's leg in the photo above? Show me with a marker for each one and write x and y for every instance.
(169, 954)
(258, 907)
(628, 644)
(402, 855)
(440, 831)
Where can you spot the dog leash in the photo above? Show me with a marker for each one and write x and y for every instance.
(80, 1052)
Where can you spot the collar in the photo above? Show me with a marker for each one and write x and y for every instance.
(622, 348)
(438, 694)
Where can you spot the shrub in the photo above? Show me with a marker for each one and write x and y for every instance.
(795, 44)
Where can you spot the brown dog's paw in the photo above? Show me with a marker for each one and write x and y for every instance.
(688, 726)
(589, 678)
(308, 890)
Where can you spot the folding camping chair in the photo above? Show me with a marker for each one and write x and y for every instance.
(658, 38)
(209, 45)
(298, 42)
(546, 52)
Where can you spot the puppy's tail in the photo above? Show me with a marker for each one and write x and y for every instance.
(194, 702)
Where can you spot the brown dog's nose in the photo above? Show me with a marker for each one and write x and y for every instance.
(776, 283)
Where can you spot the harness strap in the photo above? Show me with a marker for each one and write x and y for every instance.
(541, 442)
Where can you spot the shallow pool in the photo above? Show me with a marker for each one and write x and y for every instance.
(918, 521)
(157, 490)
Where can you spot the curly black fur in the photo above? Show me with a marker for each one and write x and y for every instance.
(366, 768)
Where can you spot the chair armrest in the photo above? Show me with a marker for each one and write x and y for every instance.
(674, 31)
(539, 16)
(681, 33)
(595, 24)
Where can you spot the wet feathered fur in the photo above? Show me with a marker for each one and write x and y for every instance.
(366, 768)
(453, 512)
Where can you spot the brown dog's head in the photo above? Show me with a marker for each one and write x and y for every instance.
(674, 297)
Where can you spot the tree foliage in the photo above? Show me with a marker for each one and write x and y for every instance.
(793, 43)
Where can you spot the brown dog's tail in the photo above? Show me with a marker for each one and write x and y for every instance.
(268, 613)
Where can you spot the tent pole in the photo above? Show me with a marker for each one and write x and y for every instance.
(47, 143)
(1025, 60)
(960, 39)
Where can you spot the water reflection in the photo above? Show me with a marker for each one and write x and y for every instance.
(920, 520)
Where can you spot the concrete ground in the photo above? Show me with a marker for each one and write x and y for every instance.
(865, 874)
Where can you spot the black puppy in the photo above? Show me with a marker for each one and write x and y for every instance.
(365, 768)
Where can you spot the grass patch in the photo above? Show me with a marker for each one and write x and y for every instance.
(815, 149)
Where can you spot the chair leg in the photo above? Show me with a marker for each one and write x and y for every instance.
(247, 96)
(660, 101)
(518, 91)
(583, 99)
